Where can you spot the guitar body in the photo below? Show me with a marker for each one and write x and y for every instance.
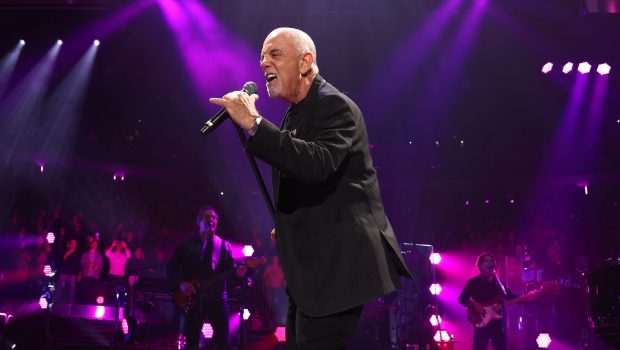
(186, 302)
(493, 310)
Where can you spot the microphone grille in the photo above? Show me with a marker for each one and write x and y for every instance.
(250, 87)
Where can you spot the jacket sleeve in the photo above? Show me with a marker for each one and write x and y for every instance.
(320, 153)
(465, 294)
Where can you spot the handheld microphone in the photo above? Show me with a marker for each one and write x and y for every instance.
(249, 88)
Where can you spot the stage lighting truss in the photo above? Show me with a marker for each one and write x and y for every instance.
(583, 67)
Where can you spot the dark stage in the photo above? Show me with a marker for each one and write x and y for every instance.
(493, 125)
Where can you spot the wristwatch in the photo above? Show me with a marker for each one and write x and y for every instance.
(254, 127)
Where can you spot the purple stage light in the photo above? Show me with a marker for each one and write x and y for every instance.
(246, 314)
(125, 326)
(442, 336)
(435, 320)
(43, 302)
(584, 67)
(435, 258)
(96, 42)
(58, 42)
(248, 251)
(100, 300)
(543, 340)
(41, 165)
(435, 289)
(280, 334)
(567, 67)
(603, 69)
(207, 330)
(547, 67)
(181, 341)
(22, 42)
(100, 311)
(50, 237)
(216, 59)
(47, 270)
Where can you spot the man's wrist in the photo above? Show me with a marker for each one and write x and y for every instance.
(254, 127)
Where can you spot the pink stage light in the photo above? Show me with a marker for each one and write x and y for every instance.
(543, 340)
(442, 335)
(246, 314)
(567, 67)
(125, 326)
(43, 302)
(547, 67)
(100, 300)
(181, 341)
(248, 251)
(7, 317)
(584, 67)
(50, 237)
(280, 334)
(435, 289)
(435, 258)
(100, 311)
(207, 331)
(435, 320)
(603, 69)
(47, 270)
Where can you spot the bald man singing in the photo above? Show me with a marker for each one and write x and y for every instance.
(336, 245)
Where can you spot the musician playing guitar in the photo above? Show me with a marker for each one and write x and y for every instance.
(199, 260)
(485, 296)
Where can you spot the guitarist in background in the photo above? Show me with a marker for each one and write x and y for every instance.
(480, 290)
(196, 259)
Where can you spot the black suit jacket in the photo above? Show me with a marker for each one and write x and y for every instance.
(336, 246)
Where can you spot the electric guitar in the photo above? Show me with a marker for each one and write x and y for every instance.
(202, 286)
(494, 309)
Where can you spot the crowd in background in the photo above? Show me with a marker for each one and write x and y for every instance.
(105, 245)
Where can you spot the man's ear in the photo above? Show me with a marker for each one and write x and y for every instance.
(305, 65)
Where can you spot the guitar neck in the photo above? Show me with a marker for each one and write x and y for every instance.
(513, 301)
(522, 298)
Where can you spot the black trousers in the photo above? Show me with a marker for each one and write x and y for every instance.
(331, 332)
(216, 313)
(494, 331)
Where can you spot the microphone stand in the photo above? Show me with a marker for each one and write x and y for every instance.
(501, 286)
(257, 175)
